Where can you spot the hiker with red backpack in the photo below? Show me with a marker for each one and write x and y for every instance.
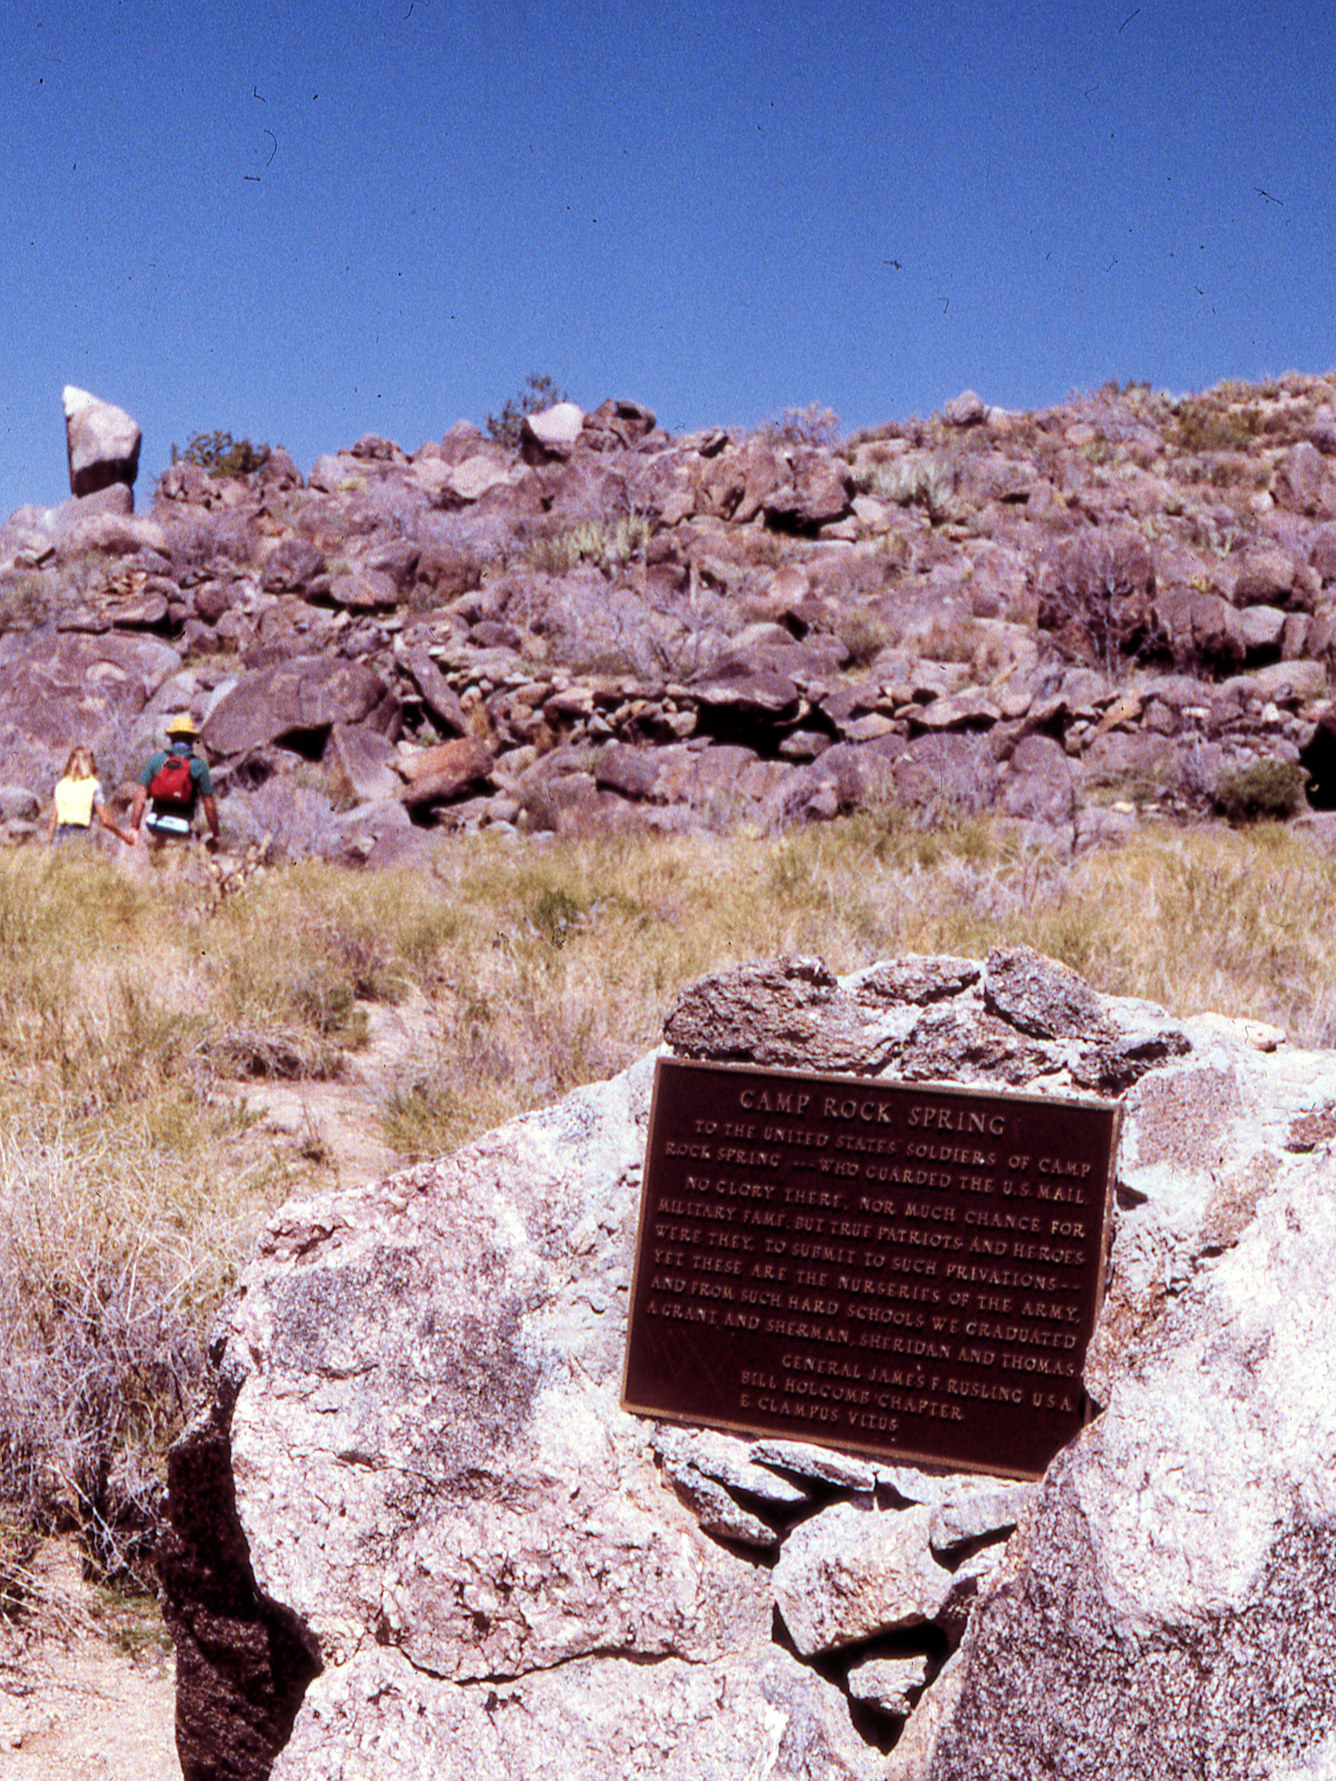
(175, 780)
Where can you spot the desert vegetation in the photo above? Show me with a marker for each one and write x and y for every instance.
(133, 1181)
(222, 455)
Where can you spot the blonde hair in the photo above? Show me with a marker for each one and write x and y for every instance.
(82, 764)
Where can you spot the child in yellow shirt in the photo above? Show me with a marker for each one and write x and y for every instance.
(78, 799)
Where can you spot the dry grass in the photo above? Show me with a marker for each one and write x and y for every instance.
(116, 1245)
(131, 1190)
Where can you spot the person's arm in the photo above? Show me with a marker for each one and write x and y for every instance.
(210, 807)
(108, 821)
(137, 809)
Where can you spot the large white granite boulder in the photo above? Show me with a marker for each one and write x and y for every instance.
(102, 442)
(417, 1536)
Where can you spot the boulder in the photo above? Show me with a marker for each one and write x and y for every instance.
(968, 409)
(330, 472)
(977, 1514)
(104, 523)
(617, 425)
(1304, 482)
(748, 695)
(26, 540)
(734, 483)
(632, 772)
(1262, 628)
(364, 760)
(818, 492)
(381, 837)
(186, 482)
(552, 433)
(416, 1534)
(1265, 578)
(101, 441)
(1038, 784)
(302, 697)
(853, 1572)
(18, 803)
(437, 774)
(278, 472)
(1188, 1535)
(1322, 553)
(888, 1682)
(1204, 629)
(951, 771)
(364, 590)
(593, 1720)
(476, 476)
(295, 567)
(438, 696)
(76, 685)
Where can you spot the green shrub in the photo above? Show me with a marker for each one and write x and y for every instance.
(1267, 791)
(222, 455)
(1200, 425)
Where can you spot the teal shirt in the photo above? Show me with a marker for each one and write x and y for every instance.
(199, 770)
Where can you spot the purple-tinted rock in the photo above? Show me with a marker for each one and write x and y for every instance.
(365, 760)
(363, 590)
(631, 771)
(1038, 784)
(818, 493)
(552, 433)
(1304, 482)
(302, 696)
(296, 567)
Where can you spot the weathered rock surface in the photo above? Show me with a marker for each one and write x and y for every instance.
(306, 696)
(1016, 614)
(888, 1682)
(853, 1571)
(438, 1499)
(102, 442)
(757, 1714)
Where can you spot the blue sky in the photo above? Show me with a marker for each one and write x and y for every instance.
(302, 223)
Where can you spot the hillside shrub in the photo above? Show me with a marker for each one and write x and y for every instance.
(864, 634)
(918, 479)
(1266, 791)
(608, 544)
(808, 427)
(222, 455)
(1096, 597)
(1200, 425)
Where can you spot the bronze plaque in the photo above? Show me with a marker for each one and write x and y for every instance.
(911, 1272)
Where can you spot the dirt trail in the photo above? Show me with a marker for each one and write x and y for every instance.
(87, 1687)
(338, 1123)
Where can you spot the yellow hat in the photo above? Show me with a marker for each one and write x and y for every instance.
(182, 725)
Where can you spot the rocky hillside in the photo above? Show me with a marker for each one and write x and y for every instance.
(1063, 616)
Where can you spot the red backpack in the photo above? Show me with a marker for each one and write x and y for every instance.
(172, 785)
